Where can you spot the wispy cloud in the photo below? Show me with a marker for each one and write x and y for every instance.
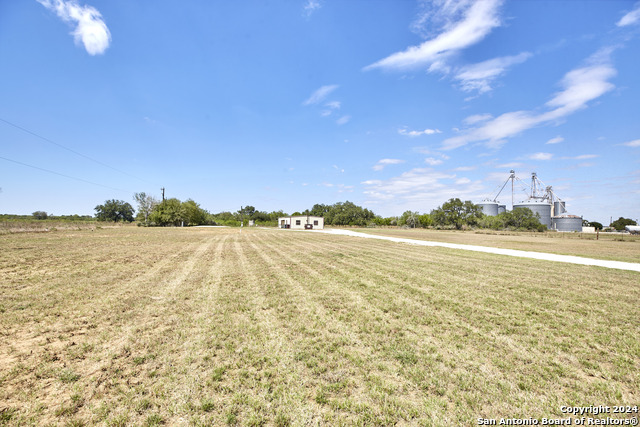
(90, 29)
(509, 165)
(634, 143)
(476, 118)
(631, 17)
(479, 77)
(384, 162)
(580, 86)
(331, 107)
(556, 140)
(342, 120)
(585, 157)
(432, 161)
(462, 24)
(540, 156)
(414, 133)
(311, 6)
(340, 188)
(320, 94)
(421, 189)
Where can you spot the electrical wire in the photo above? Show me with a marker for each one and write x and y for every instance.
(66, 176)
(73, 151)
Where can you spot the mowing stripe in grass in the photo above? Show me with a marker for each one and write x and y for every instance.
(620, 265)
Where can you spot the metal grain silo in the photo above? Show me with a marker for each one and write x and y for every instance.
(558, 208)
(489, 208)
(567, 222)
(541, 208)
(502, 209)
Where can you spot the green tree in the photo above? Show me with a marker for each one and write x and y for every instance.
(410, 219)
(168, 212)
(114, 210)
(347, 213)
(425, 220)
(595, 225)
(524, 218)
(193, 213)
(619, 223)
(456, 213)
(146, 203)
(40, 215)
(246, 212)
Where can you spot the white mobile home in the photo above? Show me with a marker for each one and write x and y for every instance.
(301, 222)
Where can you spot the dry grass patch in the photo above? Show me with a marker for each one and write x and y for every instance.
(609, 246)
(265, 327)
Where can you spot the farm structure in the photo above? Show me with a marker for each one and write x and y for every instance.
(301, 222)
(541, 200)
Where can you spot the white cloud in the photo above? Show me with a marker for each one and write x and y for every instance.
(421, 189)
(465, 168)
(541, 156)
(586, 156)
(556, 140)
(320, 94)
(432, 161)
(476, 118)
(463, 24)
(581, 86)
(338, 168)
(384, 162)
(414, 133)
(90, 29)
(342, 188)
(331, 106)
(342, 120)
(509, 165)
(311, 6)
(634, 143)
(480, 76)
(630, 18)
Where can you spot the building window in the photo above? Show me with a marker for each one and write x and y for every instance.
(315, 222)
(297, 222)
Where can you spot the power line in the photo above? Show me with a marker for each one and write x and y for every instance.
(66, 176)
(71, 150)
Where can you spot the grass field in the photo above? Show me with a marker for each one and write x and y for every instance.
(9, 226)
(609, 246)
(136, 326)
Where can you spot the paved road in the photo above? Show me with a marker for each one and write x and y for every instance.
(620, 265)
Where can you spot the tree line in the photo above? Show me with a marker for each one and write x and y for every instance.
(453, 214)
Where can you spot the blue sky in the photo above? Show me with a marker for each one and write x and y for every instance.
(394, 105)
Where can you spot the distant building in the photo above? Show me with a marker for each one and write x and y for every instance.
(633, 229)
(301, 222)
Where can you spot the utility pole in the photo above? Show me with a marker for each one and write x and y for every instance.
(162, 193)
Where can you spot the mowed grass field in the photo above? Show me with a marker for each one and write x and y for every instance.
(608, 246)
(135, 326)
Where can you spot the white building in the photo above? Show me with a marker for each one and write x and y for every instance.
(301, 222)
